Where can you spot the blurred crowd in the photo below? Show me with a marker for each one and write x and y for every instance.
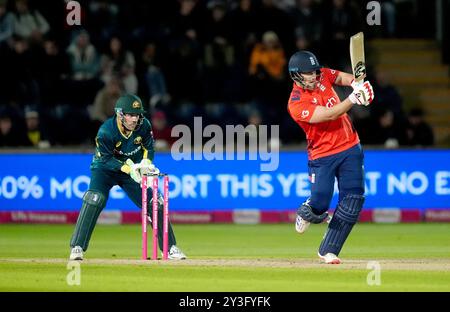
(225, 61)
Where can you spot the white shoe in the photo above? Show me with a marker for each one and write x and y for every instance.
(76, 253)
(329, 258)
(176, 254)
(301, 225)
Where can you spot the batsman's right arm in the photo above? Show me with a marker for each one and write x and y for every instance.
(361, 95)
(323, 114)
(344, 79)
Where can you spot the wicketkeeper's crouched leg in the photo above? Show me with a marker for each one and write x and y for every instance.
(341, 224)
(93, 204)
(171, 234)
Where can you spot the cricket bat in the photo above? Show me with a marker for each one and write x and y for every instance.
(357, 57)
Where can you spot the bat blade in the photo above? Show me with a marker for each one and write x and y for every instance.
(357, 57)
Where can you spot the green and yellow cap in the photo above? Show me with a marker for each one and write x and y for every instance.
(129, 104)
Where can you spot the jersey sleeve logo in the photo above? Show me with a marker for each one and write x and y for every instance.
(295, 95)
(305, 113)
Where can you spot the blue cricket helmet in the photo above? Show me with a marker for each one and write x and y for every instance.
(303, 62)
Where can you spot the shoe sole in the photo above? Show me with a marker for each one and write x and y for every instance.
(334, 261)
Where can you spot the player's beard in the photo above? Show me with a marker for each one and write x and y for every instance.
(311, 84)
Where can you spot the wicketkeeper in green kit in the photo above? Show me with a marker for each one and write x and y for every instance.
(124, 146)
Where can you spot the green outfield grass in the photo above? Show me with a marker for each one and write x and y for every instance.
(413, 257)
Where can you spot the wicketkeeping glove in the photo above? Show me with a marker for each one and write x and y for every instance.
(362, 95)
(135, 173)
(147, 167)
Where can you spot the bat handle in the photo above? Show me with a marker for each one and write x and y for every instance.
(356, 84)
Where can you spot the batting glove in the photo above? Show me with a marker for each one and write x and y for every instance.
(355, 84)
(362, 95)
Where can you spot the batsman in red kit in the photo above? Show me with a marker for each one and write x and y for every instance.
(334, 151)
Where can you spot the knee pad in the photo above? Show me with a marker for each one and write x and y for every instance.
(93, 203)
(94, 198)
(305, 211)
(349, 208)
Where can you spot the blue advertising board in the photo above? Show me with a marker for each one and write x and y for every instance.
(57, 182)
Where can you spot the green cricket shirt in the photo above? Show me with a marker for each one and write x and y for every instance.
(113, 148)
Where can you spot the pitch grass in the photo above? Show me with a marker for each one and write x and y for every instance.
(33, 258)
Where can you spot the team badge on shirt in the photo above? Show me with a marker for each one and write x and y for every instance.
(138, 140)
(295, 95)
(305, 113)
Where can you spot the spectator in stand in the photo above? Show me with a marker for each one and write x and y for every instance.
(218, 51)
(85, 65)
(102, 19)
(388, 12)
(119, 61)
(340, 22)
(418, 130)
(185, 53)
(6, 25)
(36, 134)
(307, 22)
(243, 30)
(255, 119)
(216, 36)
(386, 130)
(268, 59)
(55, 70)
(12, 133)
(271, 18)
(387, 96)
(243, 35)
(155, 80)
(83, 57)
(162, 132)
(105, 100)
(6, 41)
(19, 67)
(267, 73)
(28, 23)
(285, 5)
